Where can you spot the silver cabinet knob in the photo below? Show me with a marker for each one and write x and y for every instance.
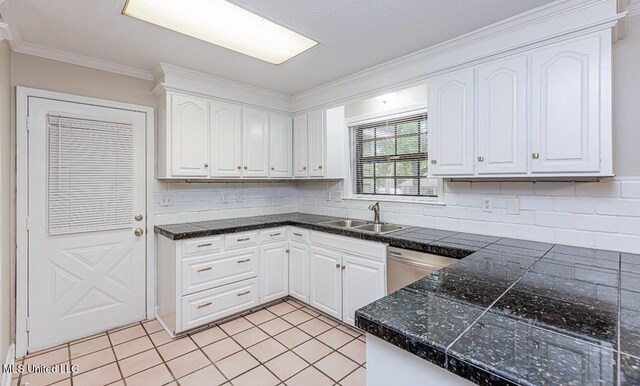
(433, 162)
(245, 168)
(138, 232)
(535, 155)
(320, 167)
(337, 265)
(206, 165)
(343, 267)
(139, 217)
(272, 168)
(480, 158)
(239, 167)
(304, 168)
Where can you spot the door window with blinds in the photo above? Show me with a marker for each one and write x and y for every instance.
(90, 175)
(390, 158)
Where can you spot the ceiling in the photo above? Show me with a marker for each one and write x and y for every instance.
(353, 34)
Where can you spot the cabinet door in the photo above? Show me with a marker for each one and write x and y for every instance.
(255, 154)
(363, 281)
(300, 146)
(274, 272)
(299, 271)
(451, 117)
(226, 140)
(326, 281)
(280, 146)
(189, 136)
(566, 107)
(316, 141)
(502, 117)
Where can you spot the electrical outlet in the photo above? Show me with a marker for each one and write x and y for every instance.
(239, 196)
(513, 205)
(225, 197)
(337, 196)
(166, 199)
(487, 204)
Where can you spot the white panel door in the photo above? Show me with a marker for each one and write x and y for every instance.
(317, 143)
(86, 262)
(281, 146)
(274, 272)
(451, 117)
(189, 136)
(566, 107)
(255, 138)
(326, 281)
(300, 146)
(502, 117)
(226, 140)
(363, 281)
(299, 271)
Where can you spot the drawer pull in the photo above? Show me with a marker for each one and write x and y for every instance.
(244, 261)
(244, 293)
(205, 245)
(275, 234)
(297, 234)
(205, 269)
(204, 305)
(245, 239)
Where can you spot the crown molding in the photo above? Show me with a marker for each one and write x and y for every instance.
(560, 18)
(175, 78)
(634, 8)
(80, 60)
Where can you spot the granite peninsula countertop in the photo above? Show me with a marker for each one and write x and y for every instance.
(509, 312)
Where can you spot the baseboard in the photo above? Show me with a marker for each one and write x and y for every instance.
(6, 377)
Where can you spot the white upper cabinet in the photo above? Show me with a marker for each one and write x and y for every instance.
(255, 132)
(300, 144)
(451, 126)
(317, 143)
(280, 146)
(565, 132)
(189, 136)
(226, 140)
(502, 116)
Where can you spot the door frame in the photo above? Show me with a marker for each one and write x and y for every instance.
(22, 193)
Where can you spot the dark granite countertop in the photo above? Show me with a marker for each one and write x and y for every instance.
(509, 312)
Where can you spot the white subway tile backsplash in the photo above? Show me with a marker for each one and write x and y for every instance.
(515, 188)
(535, 233)
(618, 207)
(485, 187)
(574, 204)
(573, 237)
(554, 220)
(598, 189)
(629, 225)
(596, 223)
(554, 188)
(457, 187)
(631, 189)
(617, 242)
(536, 203)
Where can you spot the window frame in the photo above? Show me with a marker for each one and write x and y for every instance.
(351, 180)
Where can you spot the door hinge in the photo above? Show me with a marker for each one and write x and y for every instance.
(28, 222)
(28, 324)
(27, 123)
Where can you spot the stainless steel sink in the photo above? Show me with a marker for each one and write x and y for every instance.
(345, 223)
(379, 228)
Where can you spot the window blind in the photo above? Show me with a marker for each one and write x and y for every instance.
(390, 157)
(90, 175)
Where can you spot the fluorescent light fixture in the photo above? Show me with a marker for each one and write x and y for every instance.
(223, 24)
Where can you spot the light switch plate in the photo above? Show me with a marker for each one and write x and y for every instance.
(225, 197)
(513, 205)
(337, 196)
(239, 196)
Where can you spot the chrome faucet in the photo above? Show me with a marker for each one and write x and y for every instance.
(376, 212)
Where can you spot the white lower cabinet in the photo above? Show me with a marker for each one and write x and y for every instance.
(299, 271)
(346, 274)
(326, 281)
(274, 272)
(206, 279)
(363, 281)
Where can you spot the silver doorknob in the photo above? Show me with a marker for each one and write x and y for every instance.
(139, 217)
(138, 232)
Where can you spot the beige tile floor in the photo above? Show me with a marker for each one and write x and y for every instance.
(286, 343)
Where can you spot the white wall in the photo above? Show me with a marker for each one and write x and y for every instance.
(603, 215)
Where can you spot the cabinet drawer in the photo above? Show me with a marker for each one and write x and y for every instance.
(299, 234)
(201, 245)
(216, 270)
(369, 249)
(240, 240)
(208, 306)
(272, 235)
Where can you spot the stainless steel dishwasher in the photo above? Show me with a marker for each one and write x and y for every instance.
(405, 266)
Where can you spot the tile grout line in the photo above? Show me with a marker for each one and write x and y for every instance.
(115, 356)
(446, 353)
(155, 347)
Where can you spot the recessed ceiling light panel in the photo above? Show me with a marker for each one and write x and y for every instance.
(224, 24)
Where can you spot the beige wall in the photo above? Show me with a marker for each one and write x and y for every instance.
(5, 203)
